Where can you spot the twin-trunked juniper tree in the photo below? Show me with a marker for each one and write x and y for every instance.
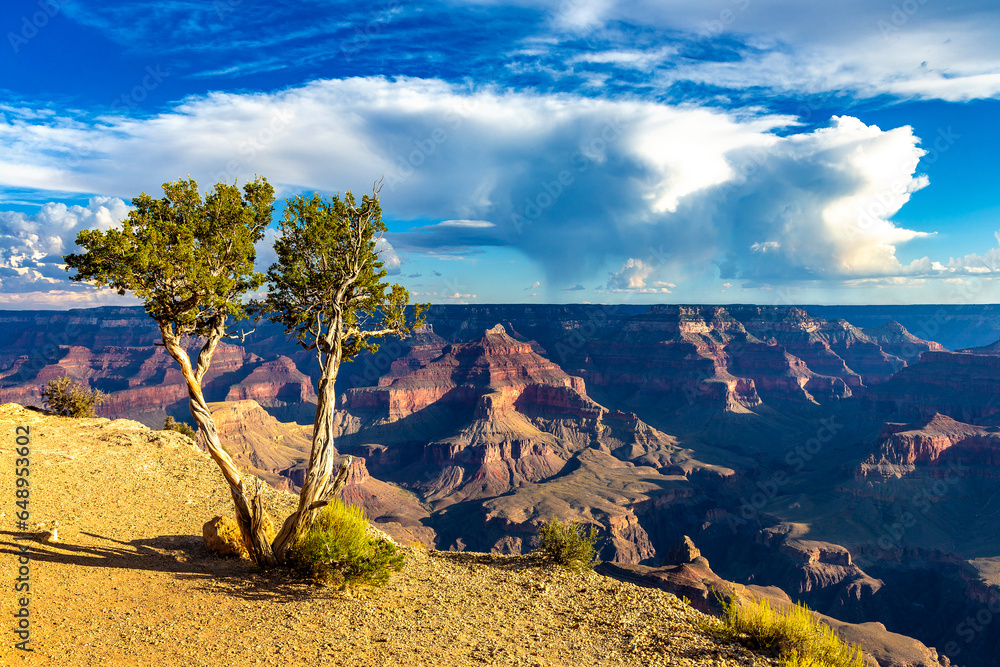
(192, 263)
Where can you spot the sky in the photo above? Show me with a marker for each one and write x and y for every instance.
(555, 151)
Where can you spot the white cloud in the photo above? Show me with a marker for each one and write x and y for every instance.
(63, 298)
(32, 246)
(389, 258)
(826, 215)
(915, 50)
(639, 59)
(633, 276)
(582, 15)
(462, 224)
(577, 184)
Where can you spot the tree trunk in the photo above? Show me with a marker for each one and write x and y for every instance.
(319, 487)
(249, 514)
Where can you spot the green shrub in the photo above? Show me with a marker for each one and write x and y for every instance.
(792, 634)
(180, 427)
(337, 550)
(67, 397)
(567, 544)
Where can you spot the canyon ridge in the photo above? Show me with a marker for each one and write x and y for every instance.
(828, 456)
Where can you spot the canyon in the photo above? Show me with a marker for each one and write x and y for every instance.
(846, 464)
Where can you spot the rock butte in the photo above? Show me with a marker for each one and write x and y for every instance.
(789, 447)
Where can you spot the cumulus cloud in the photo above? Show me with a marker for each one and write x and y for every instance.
(453, 297)
(633, 277)
(818, 205)
(32, 246)
(577, 184)
(389, 258)
(974, 264)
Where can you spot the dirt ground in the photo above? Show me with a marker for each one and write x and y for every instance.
(130, 582)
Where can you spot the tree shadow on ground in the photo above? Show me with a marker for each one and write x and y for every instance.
(180, 554)
(184, 556)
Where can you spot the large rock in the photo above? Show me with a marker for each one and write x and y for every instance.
(961, 385)
(683, 551)
(934, 443)
(482, 418)
(222, 535)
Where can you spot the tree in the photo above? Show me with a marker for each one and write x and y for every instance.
(72, 399)
(327, 289)
(169, 424)
(191, 262)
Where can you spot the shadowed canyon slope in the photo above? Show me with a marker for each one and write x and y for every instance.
(130, 581)
(811, 455)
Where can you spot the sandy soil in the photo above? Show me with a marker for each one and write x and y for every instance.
(130, 581)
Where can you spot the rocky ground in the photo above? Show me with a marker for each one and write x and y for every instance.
(129, 580)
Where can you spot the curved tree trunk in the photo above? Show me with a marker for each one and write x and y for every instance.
(249, 514)
(319, 486)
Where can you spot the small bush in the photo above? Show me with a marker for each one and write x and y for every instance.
(180, 427)
(568, 544)
(791, 634)
(338, 551)
(67, 397)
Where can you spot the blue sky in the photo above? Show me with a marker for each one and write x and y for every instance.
(566, 151)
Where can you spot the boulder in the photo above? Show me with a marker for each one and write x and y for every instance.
(222, 535)
(683, 551)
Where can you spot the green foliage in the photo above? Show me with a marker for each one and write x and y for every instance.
(792, 634)
(568, 544)
(327, 286)
(73, 399)
(170, 425)
(337, 550)
(190, 260)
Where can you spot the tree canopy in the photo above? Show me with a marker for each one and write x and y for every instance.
(328, 271)
(190, 261)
